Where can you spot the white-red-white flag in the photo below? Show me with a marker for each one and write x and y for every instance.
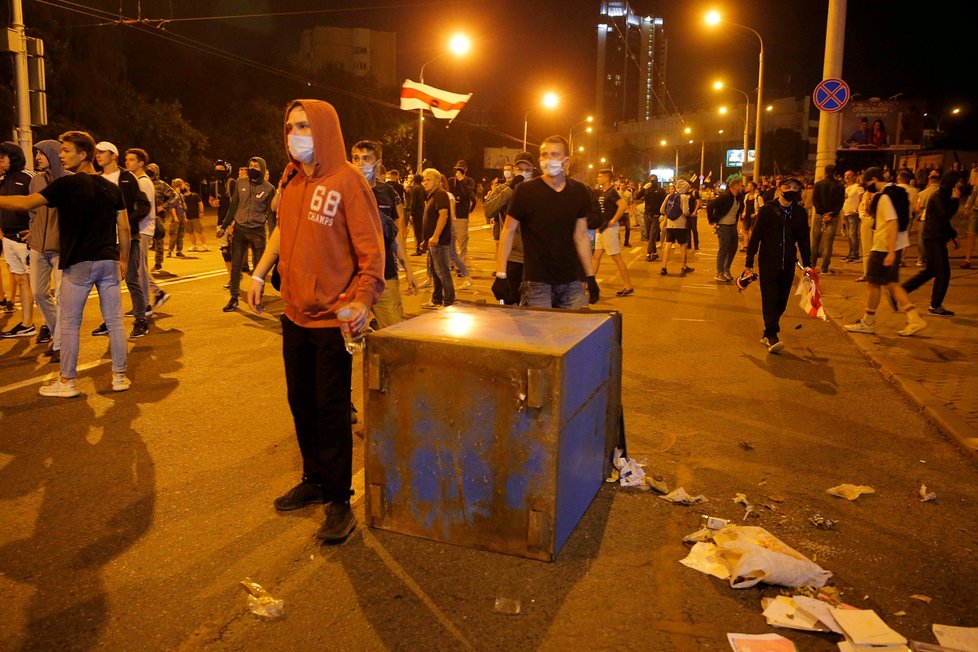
(442, 104)
(811, 295)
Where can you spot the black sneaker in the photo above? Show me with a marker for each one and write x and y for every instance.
(55, 357)
(304, 493)
(180, 254)
(6, 306)
(231, 306)
(139, 329)
(48, 352)
(101, 331)
(941, 310)
(340, 522)
(774, 345)
(157, 267)
(20, 331)
(43, 335)
(161, 298)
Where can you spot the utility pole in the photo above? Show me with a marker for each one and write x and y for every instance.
(18, 42)
(829, 124)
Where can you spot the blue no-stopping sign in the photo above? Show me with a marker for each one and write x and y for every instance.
(831, 95)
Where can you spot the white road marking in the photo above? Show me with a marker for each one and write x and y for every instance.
(50, 376)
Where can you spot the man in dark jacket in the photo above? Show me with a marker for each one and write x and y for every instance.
(937, 231)
(653, 195)
(722, 212)
(781, 231)
(828, 196)
(16, 227)
(45, 245)
(415, 206)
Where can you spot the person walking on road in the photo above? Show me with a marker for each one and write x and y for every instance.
(330, 255)
(890, 211)
(653, 195)
(937, 231)
(497, 205)
(462, 187)
(780, 235)
(678, 207)
(828, 198)
(613, 208)
(722, 212)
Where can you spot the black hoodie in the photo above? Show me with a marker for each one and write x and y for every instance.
(17, 181)
(778, 232)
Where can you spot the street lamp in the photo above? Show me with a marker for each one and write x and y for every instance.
(570, 134)
(549, 101)
(459, 45)
(955, 111)
(714, 18)
(664, 142)
(719, 85)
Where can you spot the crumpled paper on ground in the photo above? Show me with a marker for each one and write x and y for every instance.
(261, 603)
(630, 472)
(926, 496)
(850, 491)
(745, 555)
(680, 497)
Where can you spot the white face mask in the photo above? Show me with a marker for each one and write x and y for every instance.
(368, 171)
(508, 174)
(301, 148)
(526, 174)
(552, 167)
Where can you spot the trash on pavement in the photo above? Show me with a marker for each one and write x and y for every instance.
(850, 491)
(613, 477)
(658, 486)
(958, 638)
(776, 498)
(261, 603)
(926, 496)
(818, 609)
(680, 497)
(630, 472)
(747, 446)
(822, 522)
(713, 522)
(703, 535)
(760, 643)
(508, 606)
(865, 627)
(783, 611)
(900, 613)
(741, 499)
(745, 555)
(922, 598)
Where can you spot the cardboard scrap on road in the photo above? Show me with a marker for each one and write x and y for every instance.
(864, 627)
(680, 497)
(746, 555)
(783, 611)
(922, 598)
(957, 638)
(760, 643)
(850, 491)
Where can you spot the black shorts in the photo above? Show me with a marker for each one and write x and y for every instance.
(679, 236)
(878, 274)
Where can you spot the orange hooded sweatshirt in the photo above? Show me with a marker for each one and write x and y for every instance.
(331, 238)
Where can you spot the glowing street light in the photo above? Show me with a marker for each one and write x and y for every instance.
(604, 160)
(581, 148)
(723, 110)
(769, 107)
(589, 129)
(714, 18)
(459, 45)
(663, 142)
(719, 85)
(549, 101)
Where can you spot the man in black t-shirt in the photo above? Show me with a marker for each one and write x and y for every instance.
(613, 208)
(462, 188)
(551, 213)
(438, 237)
(388, 310)
(91, 219)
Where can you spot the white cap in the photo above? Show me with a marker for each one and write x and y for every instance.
(106, 146)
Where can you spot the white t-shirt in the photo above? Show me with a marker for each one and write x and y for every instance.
(854, 193)
(685, 201)
(147, 225)
(886, 213)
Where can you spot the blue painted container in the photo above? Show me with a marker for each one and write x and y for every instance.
(491, 427)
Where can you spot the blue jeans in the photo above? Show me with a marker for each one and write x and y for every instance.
(146, 282)
(76, 284)
(727, 237)
(853, 222)
(444, 289)
(537, 294)
(134, 280)
(42, 265)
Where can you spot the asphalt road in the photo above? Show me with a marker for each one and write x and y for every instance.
(129, 519)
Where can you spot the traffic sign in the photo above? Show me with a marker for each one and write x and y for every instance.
(831, 95)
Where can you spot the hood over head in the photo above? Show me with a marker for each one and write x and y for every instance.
(17, 159)
(50, 149)
(682, 186)
(153, 170)
(261, 164)
(330, 151)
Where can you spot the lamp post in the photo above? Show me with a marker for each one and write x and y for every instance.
(570, 134)
(955, 111)
(714, 18)
(459, 45)
(664, 143)
(719, 85)
(549, 101)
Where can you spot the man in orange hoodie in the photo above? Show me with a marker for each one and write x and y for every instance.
(330, 253)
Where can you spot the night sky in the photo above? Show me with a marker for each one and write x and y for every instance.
(523, 48)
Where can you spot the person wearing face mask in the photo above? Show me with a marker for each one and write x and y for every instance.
(388, 310)
(551, 212)
(937, 231)
(653, 195)
(165, 196)
(249, 209)
(462, 188)
(780, 234)
(890, 211)
(497, 205)
(329, 251)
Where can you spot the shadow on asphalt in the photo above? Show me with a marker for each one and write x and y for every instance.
(98, 485)
(815, 372)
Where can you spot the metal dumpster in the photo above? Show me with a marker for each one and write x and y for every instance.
(491, 427)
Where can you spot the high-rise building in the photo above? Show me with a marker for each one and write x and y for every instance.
(631, 71)
(358, 51)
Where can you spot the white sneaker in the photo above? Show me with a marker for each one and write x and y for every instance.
(65, 389)
(912, 327)
(119, 382)
(861, 327)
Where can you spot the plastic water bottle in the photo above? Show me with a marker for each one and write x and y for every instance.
(355, 342)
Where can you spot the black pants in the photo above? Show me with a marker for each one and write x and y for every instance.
(417, 222)
(318, 377)
(626, 223)
(775, 290)
(694, 233)
(653, 232)
(937, 267)
(245, 238)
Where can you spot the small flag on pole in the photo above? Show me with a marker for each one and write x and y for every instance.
(811, 295)
(442, 104)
